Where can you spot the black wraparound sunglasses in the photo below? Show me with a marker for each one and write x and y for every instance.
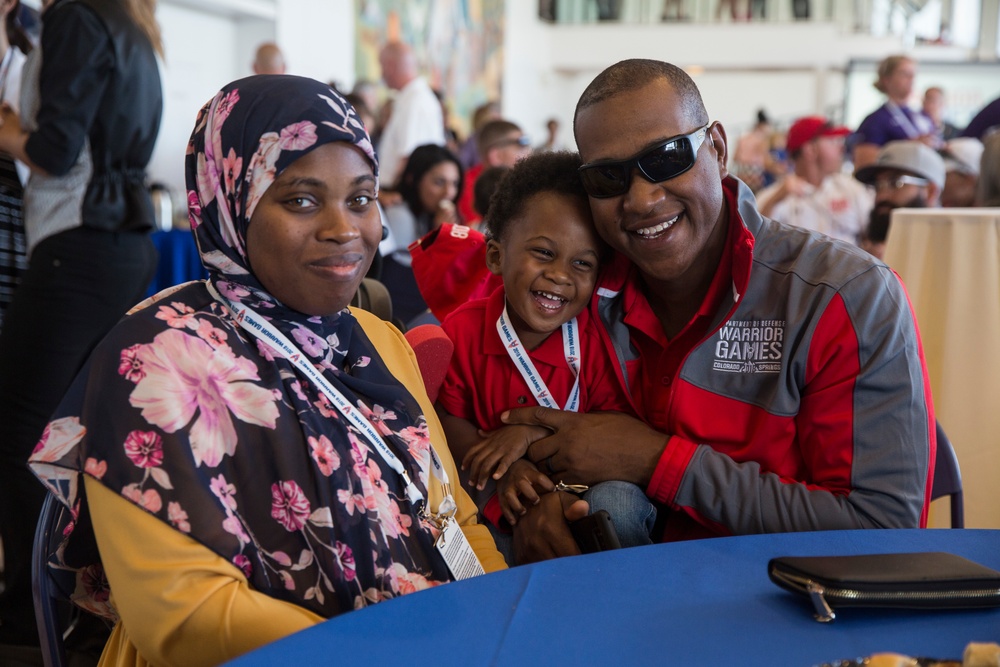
(660, 163)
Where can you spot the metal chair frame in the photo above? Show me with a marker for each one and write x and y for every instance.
(948, 478)
(50, 631)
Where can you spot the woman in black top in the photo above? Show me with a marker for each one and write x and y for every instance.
(90, 112)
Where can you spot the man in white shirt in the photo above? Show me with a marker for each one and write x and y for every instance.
(817, 194)
(416, 113)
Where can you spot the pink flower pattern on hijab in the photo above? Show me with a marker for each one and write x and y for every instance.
(214, 433)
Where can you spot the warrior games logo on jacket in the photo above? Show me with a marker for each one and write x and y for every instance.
(750, 346)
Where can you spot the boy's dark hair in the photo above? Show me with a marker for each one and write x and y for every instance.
(484, 188)
(540, 172)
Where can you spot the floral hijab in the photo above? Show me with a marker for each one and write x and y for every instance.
(213, 432)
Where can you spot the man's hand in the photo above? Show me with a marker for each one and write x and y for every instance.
(492, 456)
(543, 532)
(592, 447)
(520, 488)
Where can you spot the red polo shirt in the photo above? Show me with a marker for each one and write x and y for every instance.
(651, 375)
(482, 381)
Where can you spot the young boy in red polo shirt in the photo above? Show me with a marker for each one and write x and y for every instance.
(542, 243)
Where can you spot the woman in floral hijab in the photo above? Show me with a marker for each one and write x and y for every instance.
(231, 502)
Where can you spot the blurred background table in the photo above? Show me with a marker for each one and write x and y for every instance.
(703, 602)
(949, 260)
(179, 259)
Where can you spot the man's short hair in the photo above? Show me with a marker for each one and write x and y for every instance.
(492, 133)
(628, 75)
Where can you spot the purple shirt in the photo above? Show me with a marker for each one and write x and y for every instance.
(988, 117)
(892, 123)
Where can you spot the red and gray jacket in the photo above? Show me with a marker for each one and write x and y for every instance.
(807, 404)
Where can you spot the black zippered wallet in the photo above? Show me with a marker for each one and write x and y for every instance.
(934, 580)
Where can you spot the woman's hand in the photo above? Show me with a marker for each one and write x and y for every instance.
(588, 448)
(522, 487)
(493, 455)
(445, 212)
(13, 138)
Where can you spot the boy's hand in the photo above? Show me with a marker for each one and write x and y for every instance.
(592, 447)
(493, 455)
(522, 485)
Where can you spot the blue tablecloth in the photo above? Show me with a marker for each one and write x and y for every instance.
(705, 602)
(179, 259)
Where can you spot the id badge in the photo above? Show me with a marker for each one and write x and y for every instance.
(457, 552)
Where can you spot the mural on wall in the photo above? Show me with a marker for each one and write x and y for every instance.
(457, 42)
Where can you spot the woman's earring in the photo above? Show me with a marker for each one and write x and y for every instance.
(385, 232)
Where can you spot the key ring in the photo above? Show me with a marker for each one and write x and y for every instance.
(578, 489)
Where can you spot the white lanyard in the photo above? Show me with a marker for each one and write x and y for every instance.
(265, 331)
(903, 121)
(571, 342)
(5, 69)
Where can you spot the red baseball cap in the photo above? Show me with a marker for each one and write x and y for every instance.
(806, 129)
(449, 264)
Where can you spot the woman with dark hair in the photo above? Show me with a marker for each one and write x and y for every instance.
(429, 185)
(246, 456)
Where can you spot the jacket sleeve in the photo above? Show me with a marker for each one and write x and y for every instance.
(865, 431)
(77, 60)
(181, 603)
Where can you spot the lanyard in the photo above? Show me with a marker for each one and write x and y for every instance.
(265, 331)
(5, 69)
(522, 361)
(903, 120)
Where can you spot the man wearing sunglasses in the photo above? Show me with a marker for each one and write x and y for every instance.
(905, 174)
(778, 374)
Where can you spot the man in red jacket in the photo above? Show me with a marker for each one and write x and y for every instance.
(779, 376)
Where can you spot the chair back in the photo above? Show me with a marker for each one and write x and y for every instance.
(373, 296)
(948, 478)
(433, 350)
(45, 591)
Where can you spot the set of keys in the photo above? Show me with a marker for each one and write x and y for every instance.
(578, 489)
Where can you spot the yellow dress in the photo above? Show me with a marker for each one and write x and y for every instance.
(182, 604)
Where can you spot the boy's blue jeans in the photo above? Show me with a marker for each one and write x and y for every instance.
(631, 510)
